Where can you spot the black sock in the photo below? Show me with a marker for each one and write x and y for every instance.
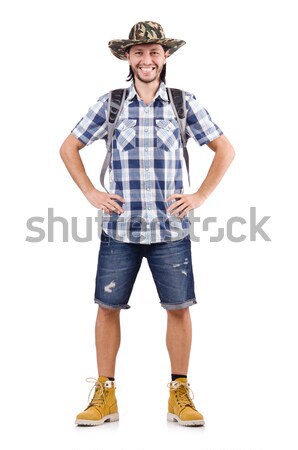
(175, 375)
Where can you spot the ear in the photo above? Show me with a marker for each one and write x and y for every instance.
(167, 54)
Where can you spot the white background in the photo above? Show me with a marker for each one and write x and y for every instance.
(240, 62)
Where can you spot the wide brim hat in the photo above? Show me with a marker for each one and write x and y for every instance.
(144, 33)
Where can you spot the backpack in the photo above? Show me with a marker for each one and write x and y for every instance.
(115, 106)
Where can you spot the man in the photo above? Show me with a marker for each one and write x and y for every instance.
(145, 193)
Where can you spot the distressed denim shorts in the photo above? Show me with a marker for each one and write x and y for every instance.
(170, 264)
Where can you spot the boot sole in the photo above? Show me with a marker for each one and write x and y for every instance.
(109, 418)
(185, 423)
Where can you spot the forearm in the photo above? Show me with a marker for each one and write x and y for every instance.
(223, 157)
(69, 153)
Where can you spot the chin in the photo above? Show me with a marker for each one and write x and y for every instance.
(146, 80)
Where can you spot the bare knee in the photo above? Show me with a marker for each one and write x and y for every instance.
(178, 314)
(104, 314)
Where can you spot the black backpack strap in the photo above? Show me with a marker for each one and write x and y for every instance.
(177, 99)
(115, 106)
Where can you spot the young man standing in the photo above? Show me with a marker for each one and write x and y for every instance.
(145, 212)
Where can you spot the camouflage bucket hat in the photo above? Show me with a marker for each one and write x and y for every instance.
(144, 33)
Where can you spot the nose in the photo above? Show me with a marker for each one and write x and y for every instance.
(147, 60)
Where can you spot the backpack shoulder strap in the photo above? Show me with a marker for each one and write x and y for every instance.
(177, 99)
(115, 106)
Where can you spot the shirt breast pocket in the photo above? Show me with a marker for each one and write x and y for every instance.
(125, 134)
(167, 134)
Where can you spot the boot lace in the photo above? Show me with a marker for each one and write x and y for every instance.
(183, 393)
(98, 396)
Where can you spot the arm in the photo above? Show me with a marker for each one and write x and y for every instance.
(69, 153)
(224, 155)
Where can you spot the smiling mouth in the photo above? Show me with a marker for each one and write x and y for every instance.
(147, 69)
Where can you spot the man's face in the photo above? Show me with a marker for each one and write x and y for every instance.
(147, 61)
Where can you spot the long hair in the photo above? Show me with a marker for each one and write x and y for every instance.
(162, 74)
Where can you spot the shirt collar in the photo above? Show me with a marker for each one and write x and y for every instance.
(162, 93)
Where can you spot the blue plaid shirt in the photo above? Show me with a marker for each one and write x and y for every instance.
(147, 162)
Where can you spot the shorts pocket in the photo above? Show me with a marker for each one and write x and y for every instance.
(104, 238)
(167, 134)
(125, 134)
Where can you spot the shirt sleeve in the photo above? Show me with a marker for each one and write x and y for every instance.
(93, 125)
(199, 124)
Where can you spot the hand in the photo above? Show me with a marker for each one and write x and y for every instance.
(185, 203)
(104, 201)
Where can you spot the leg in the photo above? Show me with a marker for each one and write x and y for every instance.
(103, 406)
(178, 339)
(118, 266)
(171, 266)
(107, 339)
(181, 408)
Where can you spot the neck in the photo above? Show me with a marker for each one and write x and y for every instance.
(146, 91)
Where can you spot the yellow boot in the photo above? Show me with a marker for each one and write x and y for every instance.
(181, 408)
(103, 406)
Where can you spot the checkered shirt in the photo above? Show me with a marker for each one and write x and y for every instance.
(147, 162)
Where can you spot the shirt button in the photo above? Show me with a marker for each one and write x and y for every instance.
(146, 149)
(149, 207)
(147, 169)
(148, 189)
(146, 110)
(146, 130)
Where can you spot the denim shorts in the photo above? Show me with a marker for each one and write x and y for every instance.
(170, 264)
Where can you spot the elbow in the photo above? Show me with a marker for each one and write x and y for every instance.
(67, 149)
(232, 153)
(66, 152)
(63, 152)
(227, 152)
(70, 147)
